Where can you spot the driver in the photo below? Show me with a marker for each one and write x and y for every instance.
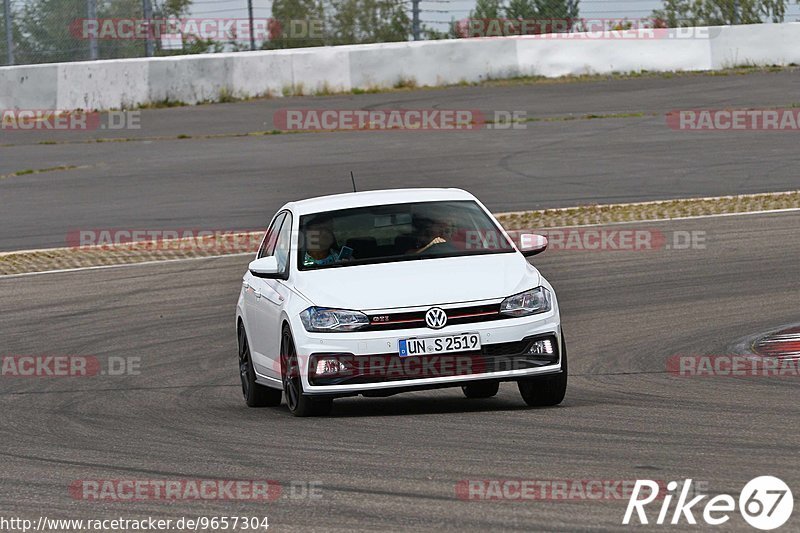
(429, 231)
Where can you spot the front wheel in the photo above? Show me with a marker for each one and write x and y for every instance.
(546, 391)
(299, 404)
(255, 395)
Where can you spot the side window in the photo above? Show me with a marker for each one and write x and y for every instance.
(283, 246)
(271, 238)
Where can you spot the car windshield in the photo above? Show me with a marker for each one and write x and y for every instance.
(400, 232)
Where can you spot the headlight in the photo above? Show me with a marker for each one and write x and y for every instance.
(526, 303)
(321, 319)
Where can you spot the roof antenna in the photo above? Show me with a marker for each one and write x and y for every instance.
(353, 179)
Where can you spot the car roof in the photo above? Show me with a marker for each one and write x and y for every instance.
(381, 197)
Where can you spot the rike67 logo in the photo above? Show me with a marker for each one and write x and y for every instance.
(765, 503)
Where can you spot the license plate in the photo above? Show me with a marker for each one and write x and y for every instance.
(467, 342)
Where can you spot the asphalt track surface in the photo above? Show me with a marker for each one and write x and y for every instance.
(236, 183)
(393, 463)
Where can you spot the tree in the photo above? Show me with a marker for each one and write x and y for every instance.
(51, 30)
(48, 35)
(486, 9)
(561, 15)
(171, 8)
(677, 13)
(368, 21)
(295, 24)
(484, 21)
(452, 32)
(557, 9)
(522, 10)
(120, 9)
(162, 10)
(539, 16)
(390, 20)
(552, 10)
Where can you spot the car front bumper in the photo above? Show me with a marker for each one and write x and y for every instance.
(374, 363)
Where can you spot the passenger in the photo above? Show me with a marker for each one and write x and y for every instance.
(320, 245)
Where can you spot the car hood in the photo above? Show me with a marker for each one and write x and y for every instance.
(418, 283)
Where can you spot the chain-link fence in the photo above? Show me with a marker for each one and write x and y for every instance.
(43, 31)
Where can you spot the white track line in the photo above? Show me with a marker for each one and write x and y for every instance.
(661, 202)
(101, 267)
(647, 221)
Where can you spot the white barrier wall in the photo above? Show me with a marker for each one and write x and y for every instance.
(127, 83)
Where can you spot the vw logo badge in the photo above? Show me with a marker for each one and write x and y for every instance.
(436, 318)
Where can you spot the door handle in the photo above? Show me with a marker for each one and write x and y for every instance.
(257, 293)
(245, 285)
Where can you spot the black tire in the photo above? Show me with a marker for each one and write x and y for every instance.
(299, 404)
(546, 391)
(481, 389)
(255, 395)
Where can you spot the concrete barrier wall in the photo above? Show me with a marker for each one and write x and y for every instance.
(29, 87)
(763, 44)
(127, 83)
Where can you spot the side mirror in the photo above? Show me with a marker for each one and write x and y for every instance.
(266, 267)
(531, 244)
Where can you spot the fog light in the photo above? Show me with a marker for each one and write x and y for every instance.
(330, 366)
(541, 347)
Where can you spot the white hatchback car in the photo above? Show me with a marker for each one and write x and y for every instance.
(381, 292)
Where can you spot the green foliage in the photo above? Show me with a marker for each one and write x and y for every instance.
(486, 9)
(171, 8)
(191, 44)
(296, 24)
(431, 34)
(521, 9)
(561, 10)
(50, 30)
(194, 45)
(45, 25)
(678, 13)
(556, 9)
(540, 16)
(368, 21)
(117, 9)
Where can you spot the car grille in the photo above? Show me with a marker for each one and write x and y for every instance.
(416, 319)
